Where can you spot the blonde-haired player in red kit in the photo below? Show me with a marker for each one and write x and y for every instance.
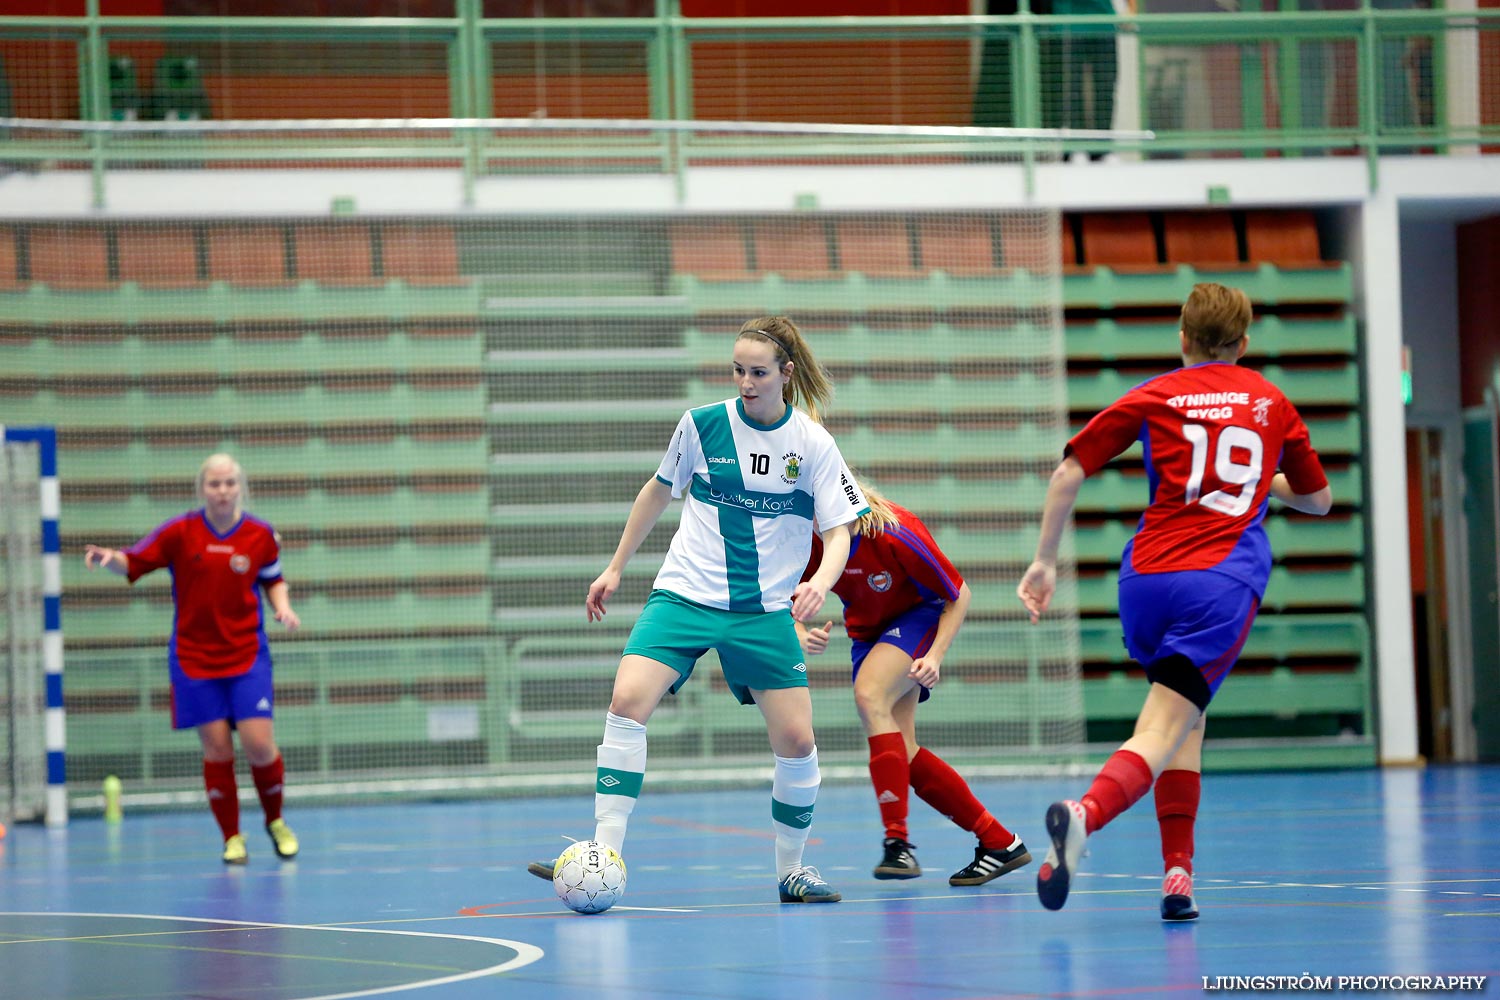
(222, 561)
(903, 605)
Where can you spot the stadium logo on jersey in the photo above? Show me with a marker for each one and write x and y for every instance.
(1262, 411)
(880, 582)
(793, 468)
(720, 460)
(239, 563)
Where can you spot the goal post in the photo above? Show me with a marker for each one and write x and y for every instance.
(30, 551)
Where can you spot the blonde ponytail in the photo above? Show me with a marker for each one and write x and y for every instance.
(810, 387)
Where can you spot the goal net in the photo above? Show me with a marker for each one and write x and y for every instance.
(448, 354)
(23, 778)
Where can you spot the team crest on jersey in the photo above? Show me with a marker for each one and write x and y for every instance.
(1262, 411)
(239, 563)
(793, 468)
(879, 582)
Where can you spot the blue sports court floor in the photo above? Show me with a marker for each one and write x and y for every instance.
(1355, 873)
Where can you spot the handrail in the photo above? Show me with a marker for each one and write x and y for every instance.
(669, 39)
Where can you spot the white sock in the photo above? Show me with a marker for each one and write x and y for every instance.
(793, 792)
(617, 782)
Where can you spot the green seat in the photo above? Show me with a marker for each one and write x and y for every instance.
(138, 407)
(146, 615)
(126, 102)
(178, 92)
(1303, 386)
(1300, 587)
(1275, 637)
(314, 509)
(860, 344)
(1271, 337)
(223, 303)
(1331, 435)
(788, 295)
(869, 450)
(268, 458)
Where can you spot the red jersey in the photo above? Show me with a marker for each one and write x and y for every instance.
(1214, 435)
(218, 628)
(889, 574)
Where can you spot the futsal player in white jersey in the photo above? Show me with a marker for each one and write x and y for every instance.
(755, 472)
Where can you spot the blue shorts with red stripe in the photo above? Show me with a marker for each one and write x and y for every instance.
(239, 696)
(911, 632)
(1201, 615)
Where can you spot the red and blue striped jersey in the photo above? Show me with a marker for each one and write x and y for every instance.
(218, 628)
(889, 574)
(1214, 435)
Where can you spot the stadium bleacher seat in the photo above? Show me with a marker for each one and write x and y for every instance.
(797, 249)
(70, 256)
(1286, 238)
(177, 90)
(878, 248)
(1031, 247)
(420, 252)
(712, 250)
(1119, 240)
(10, 277)
(959, 245)
(126, 101)
(335, 253)
(1200, 239)
(247, 253)
(158, 256)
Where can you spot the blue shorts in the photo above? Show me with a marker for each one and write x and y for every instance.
(1200, 615)
(242, 696)
(911, 632)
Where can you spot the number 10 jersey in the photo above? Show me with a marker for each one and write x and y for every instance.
(753, 491)
(1214, 435)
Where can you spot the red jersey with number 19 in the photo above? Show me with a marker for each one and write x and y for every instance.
(218, 629)
(1214, 436)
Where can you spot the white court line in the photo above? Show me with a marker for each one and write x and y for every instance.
(525, 953)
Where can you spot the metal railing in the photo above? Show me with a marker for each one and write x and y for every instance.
(1363, 82)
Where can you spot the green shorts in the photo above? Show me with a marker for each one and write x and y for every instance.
(756, 649)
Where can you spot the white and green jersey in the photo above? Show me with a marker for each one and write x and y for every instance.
(753, 491)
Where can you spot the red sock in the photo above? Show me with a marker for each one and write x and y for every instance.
(946, 791)
(1177, 794)
(223, 795)
(1119, 785)
(890, 775)
(268, 784)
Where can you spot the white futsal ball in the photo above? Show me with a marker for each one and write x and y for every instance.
(589, 877)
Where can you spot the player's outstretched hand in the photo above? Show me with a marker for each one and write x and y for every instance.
(925, 671)
(1035, 590)
(815, 640)
(601, 590)
(289, 619)
(97, 556)
(807, 601)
